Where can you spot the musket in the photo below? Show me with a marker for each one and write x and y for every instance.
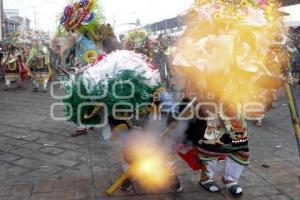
(129, 172)
(64, 71)
(288, 85)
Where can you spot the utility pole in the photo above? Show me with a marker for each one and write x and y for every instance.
(114, 22)
(1, 19)
(34, 18)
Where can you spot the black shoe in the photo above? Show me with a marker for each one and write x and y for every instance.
(236, 191)
(258, 123)
(79, 133)
(126, 185)
(176, 185)
(210, 186)
(20, 86)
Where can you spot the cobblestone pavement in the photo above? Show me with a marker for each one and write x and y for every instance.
(38, 159)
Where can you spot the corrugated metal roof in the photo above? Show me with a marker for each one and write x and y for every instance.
(179, 21)
(289, 2)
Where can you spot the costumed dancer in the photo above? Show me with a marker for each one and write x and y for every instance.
(87, 43)
(21, 45)
(136, 41)
(276, 63)
(55, 56)
(161, 59)
(121, 78)
(38, 61)
(139, 41)
(158, 51)
(294, 54)
(222, 58)
(58, 46)
(15, 69)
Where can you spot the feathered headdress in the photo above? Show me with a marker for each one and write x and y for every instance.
(136, 37)
(80, 16)
(226, 49)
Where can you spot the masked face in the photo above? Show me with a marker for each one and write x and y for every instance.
(138, 42)
(74, 33)
(87, 51)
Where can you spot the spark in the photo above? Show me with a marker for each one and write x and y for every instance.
(149, 161)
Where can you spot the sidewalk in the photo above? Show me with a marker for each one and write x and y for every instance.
(38, 159)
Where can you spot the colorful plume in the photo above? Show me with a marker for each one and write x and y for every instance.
(234, 49)
(80, 16)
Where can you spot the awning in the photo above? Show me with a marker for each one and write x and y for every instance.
(293, 19)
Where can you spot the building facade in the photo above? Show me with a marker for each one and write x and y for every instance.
(13, 22)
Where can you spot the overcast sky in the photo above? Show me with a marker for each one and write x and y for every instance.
(123, 11)
(294, 18)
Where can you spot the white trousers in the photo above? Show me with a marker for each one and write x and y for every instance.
(36, 84)
(7, 83)
(232, 170)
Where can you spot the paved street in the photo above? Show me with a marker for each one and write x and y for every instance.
(38, 159)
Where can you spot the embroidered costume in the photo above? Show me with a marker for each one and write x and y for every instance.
(221, 60)
(15, 69)
(38, 61)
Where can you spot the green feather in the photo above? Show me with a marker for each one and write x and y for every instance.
(142, 94)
